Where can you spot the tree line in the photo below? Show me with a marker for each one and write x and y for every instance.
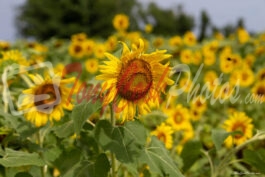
(43, 19)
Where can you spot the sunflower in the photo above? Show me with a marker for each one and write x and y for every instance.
(197, 57)
(77, 49)
(121, 22)
(92, 65)
(148, 28)
(4, 45)
(211, 80)
(244, 77)
(209, 58)
(89, 46)
(99, 51)
(199, 103)
(242, 35)
(175, 41)
(134, 80)
(46, 99)
(258, 91)
(261, 75)
(241, 123)
(186, 56)
(189, 38)
(178, 117)
(164, 133)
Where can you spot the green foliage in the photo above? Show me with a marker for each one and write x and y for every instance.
(190, 153)
(12, 158)
(125, 141)
(46, 18)
(169, 21)
(81, 113)
(218, 137)
(159, 160)
(255, 158)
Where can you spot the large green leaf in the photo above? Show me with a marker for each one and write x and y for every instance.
(65, 130)
(125, 141)
(255, 158)
(218, 137)
(82, 112)
(14, 158)
(85, 168)
(159, 160)
(190, 153)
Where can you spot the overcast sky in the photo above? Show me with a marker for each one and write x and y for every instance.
(221, 12)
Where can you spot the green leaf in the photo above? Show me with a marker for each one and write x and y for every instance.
(159, 160)
(65, 130)
(82, 112)
(125, 141)
(14, 158)
(190, 153)
(52, 154)
(23, 174)
(85, 168)
(255, 158)
(218, 137)
(102, 166)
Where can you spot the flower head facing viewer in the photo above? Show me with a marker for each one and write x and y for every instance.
(45, 100)
(238, 122)
(135, 80)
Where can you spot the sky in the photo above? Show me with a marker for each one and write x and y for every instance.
(221, 12)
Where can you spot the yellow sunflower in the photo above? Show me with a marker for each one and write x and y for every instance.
(178, 117)
(76, 49)
(148, 28)
(199, 103)
(240, 122)
(46, 99)
(189, 38)
(134, 80)
(258, 91)
(164, 133)
(92, 65)
(121, 22)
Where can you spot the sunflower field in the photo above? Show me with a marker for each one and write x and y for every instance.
(133, 105)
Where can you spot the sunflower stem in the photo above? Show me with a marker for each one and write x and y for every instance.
(260, 135)
(206, 153)
(113, 160)
(40, 141)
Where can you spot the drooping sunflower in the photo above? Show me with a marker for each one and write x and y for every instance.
(45, 100)
(240, 122)
(135, 80)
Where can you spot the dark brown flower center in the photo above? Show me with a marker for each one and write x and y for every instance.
(162, 137)
(45, 97)
(240, 128)
(77, 48)
(178, 117)
(135, 80)
(261, 91)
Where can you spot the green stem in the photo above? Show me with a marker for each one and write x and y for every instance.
(210, 162)
(40, 141)
(227, 157)
(112, 155)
